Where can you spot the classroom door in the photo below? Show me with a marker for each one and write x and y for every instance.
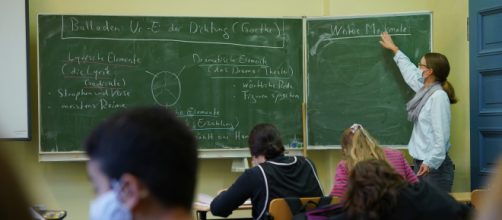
(485, 20)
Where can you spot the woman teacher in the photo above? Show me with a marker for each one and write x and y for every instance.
(429, 111)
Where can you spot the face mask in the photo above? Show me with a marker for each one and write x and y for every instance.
(422, 78)
(109, 207)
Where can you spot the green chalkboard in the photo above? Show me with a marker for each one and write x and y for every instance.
(353, 79)
(222, 75)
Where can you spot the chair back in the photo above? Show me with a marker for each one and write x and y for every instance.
(279, 208)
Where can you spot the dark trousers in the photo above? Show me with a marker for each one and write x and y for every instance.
(441, 177)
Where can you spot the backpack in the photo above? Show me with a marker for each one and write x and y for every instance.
(329, 212)
(312, 210)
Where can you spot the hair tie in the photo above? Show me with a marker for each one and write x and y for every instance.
(355, 127)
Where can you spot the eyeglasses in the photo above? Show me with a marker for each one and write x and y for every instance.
(421, 64)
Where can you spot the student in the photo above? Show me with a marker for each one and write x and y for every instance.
(13, 201)
(143, 165)
(274, 176)
(377, 191)
(429, 110)
(358, 145)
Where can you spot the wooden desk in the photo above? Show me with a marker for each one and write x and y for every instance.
(462, 197)
(201, 210)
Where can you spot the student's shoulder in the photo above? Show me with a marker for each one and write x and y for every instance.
(432, 199)
(252, 174)
(342, 165)
(258, 170)
(254, 170)
(302, 158)
(391, 152)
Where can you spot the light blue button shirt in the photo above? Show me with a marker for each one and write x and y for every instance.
(430, 138)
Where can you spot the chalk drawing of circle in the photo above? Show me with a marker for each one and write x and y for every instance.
(166, 88)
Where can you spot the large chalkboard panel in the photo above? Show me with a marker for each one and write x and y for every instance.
(353, 79)
(222, 75)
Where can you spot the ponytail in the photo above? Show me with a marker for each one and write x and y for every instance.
(358, 145)
(448, 88)
(441, 69)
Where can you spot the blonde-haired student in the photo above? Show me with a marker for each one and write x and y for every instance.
(358, 145)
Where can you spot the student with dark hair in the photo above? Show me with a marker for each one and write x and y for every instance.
(429, 111)
(377, 191)
(143, 165)
(273, 176)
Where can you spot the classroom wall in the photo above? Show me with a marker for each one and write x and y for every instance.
(64, 185)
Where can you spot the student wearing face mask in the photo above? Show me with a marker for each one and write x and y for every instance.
(143, 164)
(429, 111)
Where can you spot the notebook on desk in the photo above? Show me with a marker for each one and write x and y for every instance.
(204, 200)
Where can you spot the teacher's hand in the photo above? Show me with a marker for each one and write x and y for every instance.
(424, 170)
(387, 42)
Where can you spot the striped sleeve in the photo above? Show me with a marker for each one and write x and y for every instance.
(397, 160)
(341, 179)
